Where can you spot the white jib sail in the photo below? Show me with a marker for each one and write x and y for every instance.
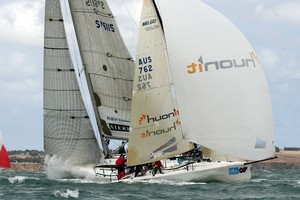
(68, 132)
(107, 63)
(221, 89)
(155, 118)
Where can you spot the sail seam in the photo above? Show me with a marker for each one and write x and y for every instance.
(95, 12)
(72, 110)
(48, 37)
(110, 77)
(109, 55)
(70, 90)
(70, 139)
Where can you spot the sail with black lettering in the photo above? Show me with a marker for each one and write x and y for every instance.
(107, 65)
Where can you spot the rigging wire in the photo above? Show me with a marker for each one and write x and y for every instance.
(133, 17)
(134, 26)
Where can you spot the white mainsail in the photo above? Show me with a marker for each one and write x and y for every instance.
(155, 119)
(221, 89)
(107, 64)
(68, 132)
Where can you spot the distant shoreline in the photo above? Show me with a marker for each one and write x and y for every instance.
(286, 160)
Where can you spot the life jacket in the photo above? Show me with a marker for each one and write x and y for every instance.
(120, 163)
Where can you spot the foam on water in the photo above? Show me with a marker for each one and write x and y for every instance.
(20, 179)
(57, 168)
(258, 180)
(165, 182)
(83, 181)
(284, 184)
(66, 194)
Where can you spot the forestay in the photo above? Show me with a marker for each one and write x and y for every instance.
(221, 90)
(107, 64)
(68, 131)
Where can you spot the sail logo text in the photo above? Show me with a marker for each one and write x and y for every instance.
(237, 170)
(105, 26)
(145, 69)
(149, 119)
(148, 133)
(222, 64)
(119, 127)
(95, 3)
(149, 22)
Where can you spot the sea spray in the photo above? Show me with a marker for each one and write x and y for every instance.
(56, 168)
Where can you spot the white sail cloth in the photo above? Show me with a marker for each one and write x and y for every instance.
(220, 85)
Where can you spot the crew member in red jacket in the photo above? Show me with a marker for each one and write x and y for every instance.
(120, 165)
(157, 167)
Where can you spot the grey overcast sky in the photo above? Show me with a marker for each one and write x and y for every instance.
(271, 26)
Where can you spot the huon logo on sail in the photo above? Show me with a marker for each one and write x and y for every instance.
(149, 119)
(160, 131)
(222, 64)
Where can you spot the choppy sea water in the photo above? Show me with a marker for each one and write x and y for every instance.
(277, 184)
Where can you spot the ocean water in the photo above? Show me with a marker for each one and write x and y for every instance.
(277, 184)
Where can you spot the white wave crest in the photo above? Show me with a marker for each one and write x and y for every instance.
(165, 182)
(67, 193)
(20, 179)
(258, 180)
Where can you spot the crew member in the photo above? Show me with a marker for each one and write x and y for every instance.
(120, 165)
(157, 167)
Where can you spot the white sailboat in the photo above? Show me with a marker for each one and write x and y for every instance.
(69, 138)
(197, 80)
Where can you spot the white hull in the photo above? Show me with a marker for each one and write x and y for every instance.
(107, 172)
(196, 172)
